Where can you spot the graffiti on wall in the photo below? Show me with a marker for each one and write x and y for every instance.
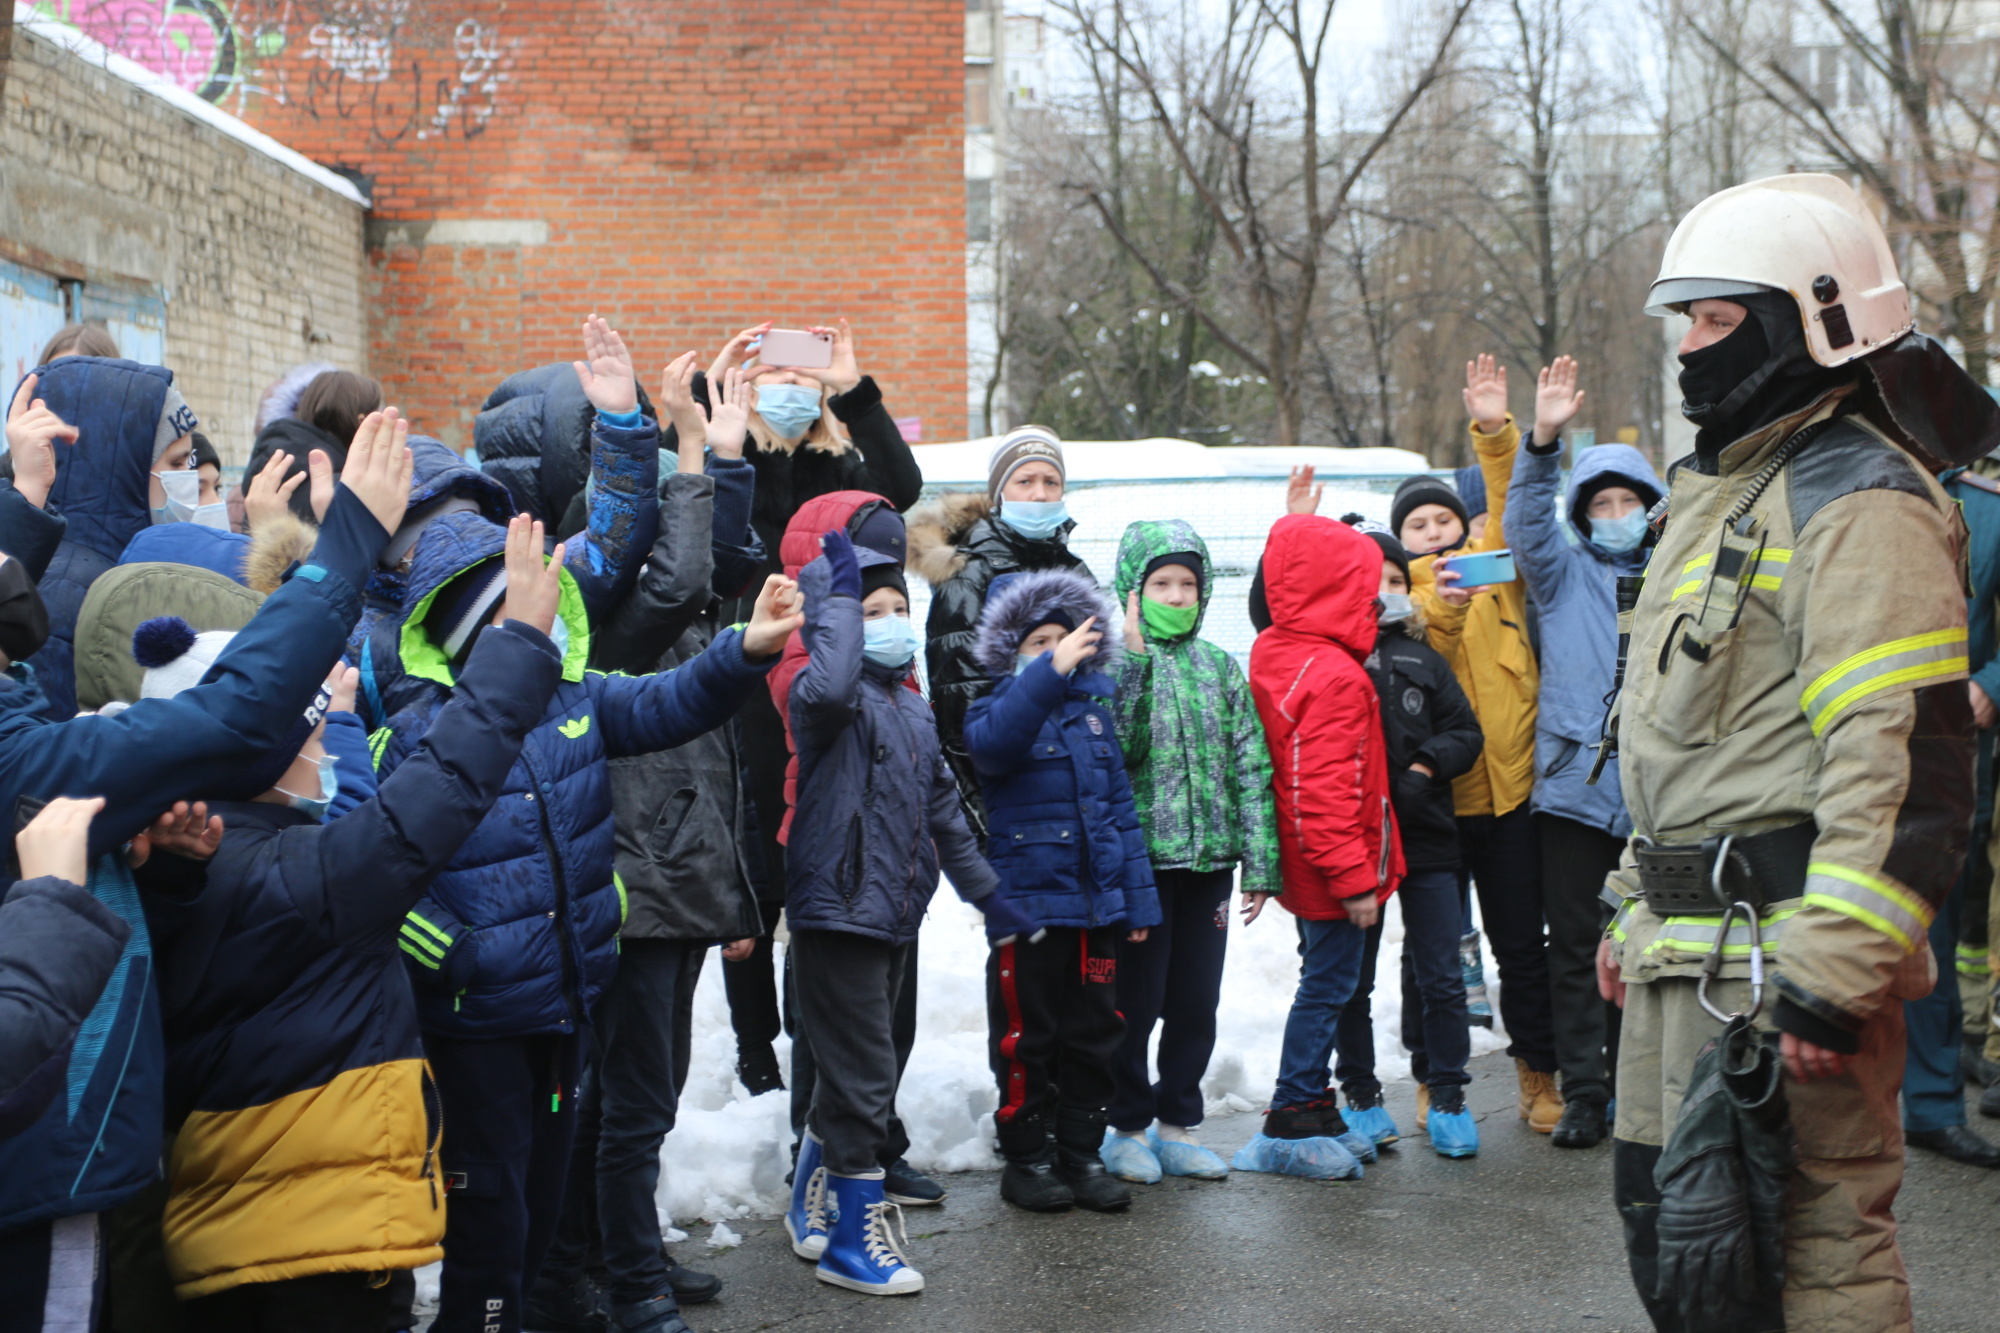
(393, 68)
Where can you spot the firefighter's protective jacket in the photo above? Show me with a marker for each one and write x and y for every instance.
(1799, 653)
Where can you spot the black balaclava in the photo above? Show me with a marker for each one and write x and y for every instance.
(24, 621)
(1759, 373)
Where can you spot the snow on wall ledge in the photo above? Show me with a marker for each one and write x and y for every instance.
(729, 1152)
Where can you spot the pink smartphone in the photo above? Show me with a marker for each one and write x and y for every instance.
(796, 347)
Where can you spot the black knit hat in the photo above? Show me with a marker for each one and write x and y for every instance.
(1187, 560)
(888, 574)
(1424, 489)
(1392, 550)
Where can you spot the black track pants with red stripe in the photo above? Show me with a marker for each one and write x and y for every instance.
(1052, 1025)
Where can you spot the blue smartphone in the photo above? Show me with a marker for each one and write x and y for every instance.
(1482, 569)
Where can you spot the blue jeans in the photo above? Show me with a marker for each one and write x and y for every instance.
(1434, 1029)
(1329, 970)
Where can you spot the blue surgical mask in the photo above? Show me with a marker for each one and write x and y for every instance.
(789, 409)
(183, 491)
(559, 635)
(329, 787)
(890, 641)
(1037, 519)
(1022, 661)
(1396, 606)
(1619, 535)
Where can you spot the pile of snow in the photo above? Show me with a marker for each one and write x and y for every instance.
(728, 1156)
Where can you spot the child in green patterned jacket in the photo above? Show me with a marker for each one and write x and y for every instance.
(1202, 780)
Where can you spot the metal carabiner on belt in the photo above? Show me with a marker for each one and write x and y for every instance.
(1711, 966)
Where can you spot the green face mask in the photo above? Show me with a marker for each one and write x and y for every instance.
(1168, 622)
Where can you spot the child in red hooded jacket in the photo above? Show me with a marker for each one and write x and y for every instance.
(1338, 852)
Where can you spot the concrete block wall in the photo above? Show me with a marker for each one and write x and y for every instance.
(261, 267)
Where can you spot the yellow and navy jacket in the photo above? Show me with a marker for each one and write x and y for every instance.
(306, 1134)
(519, 934)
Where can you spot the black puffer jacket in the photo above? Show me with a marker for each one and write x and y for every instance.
(960, 548)
(680, 820)
(1427, 720)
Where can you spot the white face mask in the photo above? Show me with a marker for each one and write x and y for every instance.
(182, 487)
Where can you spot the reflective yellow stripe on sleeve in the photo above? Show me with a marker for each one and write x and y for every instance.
(1696, 934)
(1896, 912)
(1972, 961)
(1919, 657)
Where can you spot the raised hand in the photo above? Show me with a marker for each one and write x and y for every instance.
(731, 399)
(737, 350)
(1135, 637)
(1301, 496)
(378, 466)
(185, 830)
(844, 373)
(776, 616)
(843, 566)
(606, 369)
(1076, 646)
(57, 840)
(690, 422)
(343, 685)
(534, 582)
(270, 493)
(320, 467)
(1486, 393)
(1556, 399)
(32, 431)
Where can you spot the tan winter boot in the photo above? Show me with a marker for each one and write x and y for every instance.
(1424, 1107)
(1541, 1104)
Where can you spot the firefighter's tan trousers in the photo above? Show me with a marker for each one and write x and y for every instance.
(1843, 1273)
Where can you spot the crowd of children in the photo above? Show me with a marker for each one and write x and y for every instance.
(374, 818)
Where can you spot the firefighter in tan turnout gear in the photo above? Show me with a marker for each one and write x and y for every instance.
(1794, 728)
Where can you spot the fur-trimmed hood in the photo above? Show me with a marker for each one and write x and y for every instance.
(274, 547)
(1017, 603)
(938, 530)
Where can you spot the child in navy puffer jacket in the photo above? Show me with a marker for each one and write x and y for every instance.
(877, 812)
(515, 942)
(1065, 839)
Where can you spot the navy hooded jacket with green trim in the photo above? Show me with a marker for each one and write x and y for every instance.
(98, 1143)
(518, 935)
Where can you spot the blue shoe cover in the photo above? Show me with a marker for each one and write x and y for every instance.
(1186, 1159)
(1129, 1159)
(1453, 1133)
(1374, 1124)
(1319, 1158)
(1360, 1145)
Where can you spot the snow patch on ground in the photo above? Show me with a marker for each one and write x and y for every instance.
(729, 1153)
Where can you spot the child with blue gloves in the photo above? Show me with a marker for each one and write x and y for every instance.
(1065, 840)
(877, 815)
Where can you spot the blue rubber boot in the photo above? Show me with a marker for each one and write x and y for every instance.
(1178, 1158)
(1374, 1123)
(1453, 1133)
(861, 1250)
(1129, 1158)
(805, 1220)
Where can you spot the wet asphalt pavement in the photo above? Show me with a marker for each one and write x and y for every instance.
(1522, 1237)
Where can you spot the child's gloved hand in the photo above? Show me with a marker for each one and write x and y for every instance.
(842, 564)
(1004, 921)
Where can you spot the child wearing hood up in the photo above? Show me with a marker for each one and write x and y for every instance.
(1338, 850)
(1572, 560)
(1065, 840)
(877, 815)
(1201, 781)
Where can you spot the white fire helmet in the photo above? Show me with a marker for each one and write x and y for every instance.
(1808, 234)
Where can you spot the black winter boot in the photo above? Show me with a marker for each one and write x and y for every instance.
(1079, 1136)
(1029, 1179)
(1582, 1125)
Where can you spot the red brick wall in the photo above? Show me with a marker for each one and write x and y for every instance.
(699, 167)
